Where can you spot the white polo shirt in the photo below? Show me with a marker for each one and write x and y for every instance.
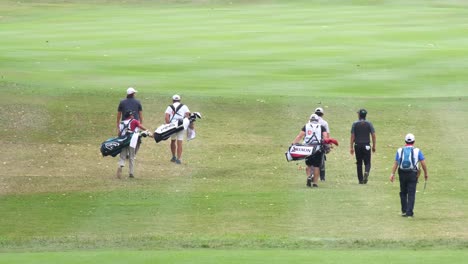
(324, 124)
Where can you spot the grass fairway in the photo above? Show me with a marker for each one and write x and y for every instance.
(255, 70)
(240, 256)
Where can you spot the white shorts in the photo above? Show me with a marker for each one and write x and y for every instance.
(179, 135)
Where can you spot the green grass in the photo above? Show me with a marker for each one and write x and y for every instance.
(237, 256)
(256, 71)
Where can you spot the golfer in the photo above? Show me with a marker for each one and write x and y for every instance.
(313, 133)
(175, 112)
(128, 126)
(320, 113)
(129, 104)
(407, 161)
(361, 131)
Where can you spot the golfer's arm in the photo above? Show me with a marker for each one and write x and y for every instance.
(167, 118)
(373, 140)
(423, 165)
(119, 117)
(394, 168)
(140, 114)
(351, 141)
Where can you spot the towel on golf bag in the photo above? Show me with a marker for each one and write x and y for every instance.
(113, 146)
(165, 131)
(300, 152)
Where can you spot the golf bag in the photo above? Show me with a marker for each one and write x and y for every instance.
(113, 146)
(165, 131)
(300, 152)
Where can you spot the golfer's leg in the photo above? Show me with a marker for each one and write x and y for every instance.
(322, 168)
(131, 160)
(173, 147)
(308, 171)
(179, 149)
(316, 174)
(367, 160)
(403, 193)
(123, 157)
(412, 182)
(359, 160)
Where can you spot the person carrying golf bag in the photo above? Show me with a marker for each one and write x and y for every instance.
(313, 134)
(175, 113)
(129, 127)
(407, 161)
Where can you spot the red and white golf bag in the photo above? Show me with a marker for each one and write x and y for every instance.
(300, 152)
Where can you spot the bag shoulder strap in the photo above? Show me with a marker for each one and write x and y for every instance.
(176, 110)
(314, 135)
(125, 126)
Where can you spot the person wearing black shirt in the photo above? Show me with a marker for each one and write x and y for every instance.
(361, 131)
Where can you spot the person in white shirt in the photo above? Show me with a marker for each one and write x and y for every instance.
(175, 112)
(312, 134)
(320, 113)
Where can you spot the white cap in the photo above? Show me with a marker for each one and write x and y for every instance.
(176, 97)
(131, 90)
(409, 138)
(314, 118)
(319, 110)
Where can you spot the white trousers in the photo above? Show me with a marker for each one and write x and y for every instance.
(128, 153)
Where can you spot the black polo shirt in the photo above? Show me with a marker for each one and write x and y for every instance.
(130, 104)
(362, 130)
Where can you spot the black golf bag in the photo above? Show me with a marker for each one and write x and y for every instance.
(165, 131)
(113, 146)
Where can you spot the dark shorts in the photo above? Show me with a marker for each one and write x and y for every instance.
(315, 160)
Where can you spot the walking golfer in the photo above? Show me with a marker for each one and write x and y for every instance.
(130, 103)
(361, 131)
(320, 113)
(128, 126)
(407, 161)
(313, 134)
(175, 112)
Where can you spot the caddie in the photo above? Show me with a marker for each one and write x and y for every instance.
(175, 112)
(128, 126)
(313, 134)
(408, 160)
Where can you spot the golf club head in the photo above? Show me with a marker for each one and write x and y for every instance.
(197, 114)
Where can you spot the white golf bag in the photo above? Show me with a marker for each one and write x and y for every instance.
(300, 152)
(165, 131)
